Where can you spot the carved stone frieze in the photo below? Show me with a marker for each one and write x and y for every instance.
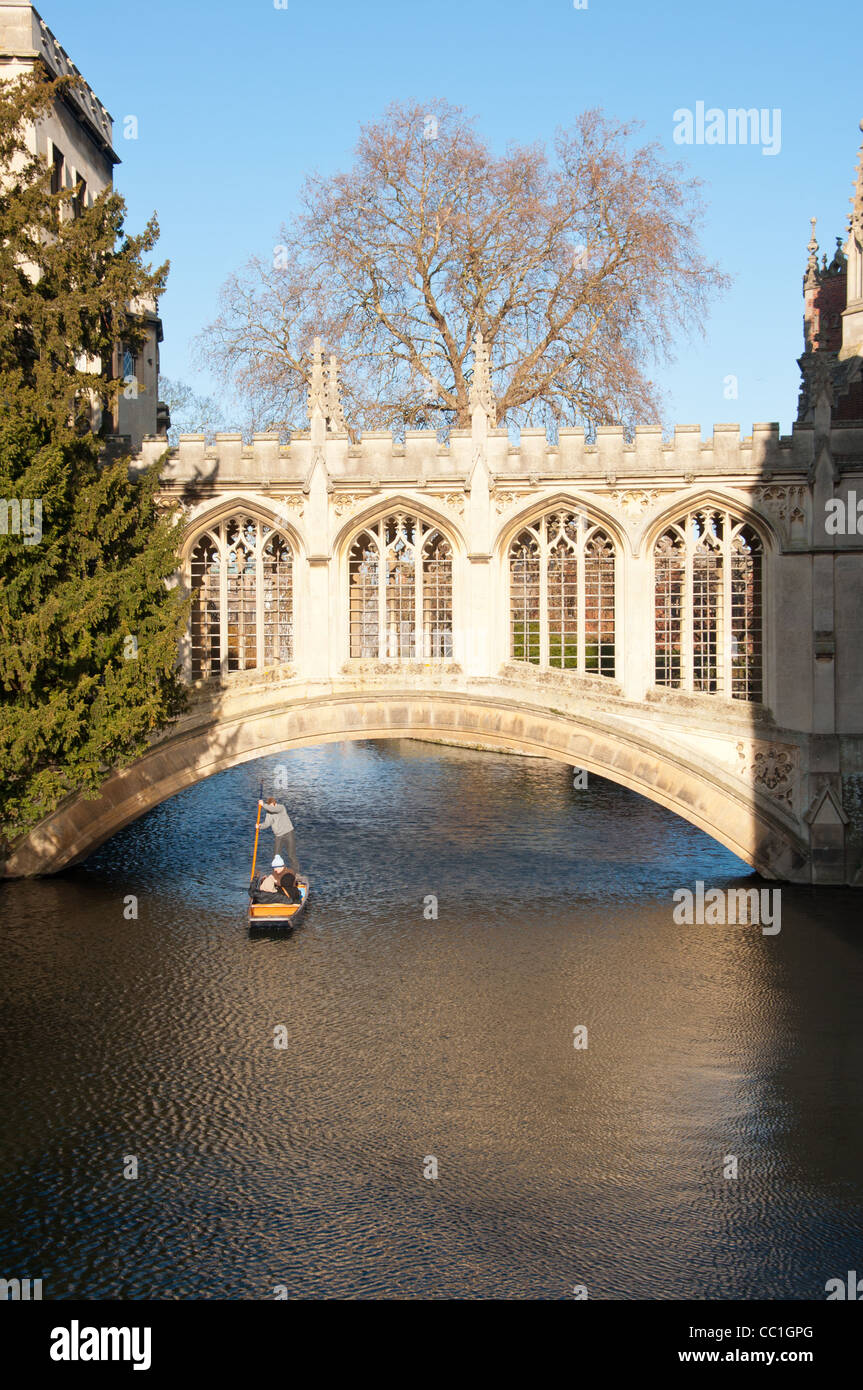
(635, 501)
(504, 498)
(343, 501)
(293, 502)
(784, 503)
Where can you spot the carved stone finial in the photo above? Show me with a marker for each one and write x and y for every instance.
(839, 263)
(334, 412)
(317, 385)
(812, 263)
(481, 393)
(855, 221)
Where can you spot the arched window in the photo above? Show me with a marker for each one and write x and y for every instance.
(708, 605)
(206, 609)
(242, 598)
(561, 595)
(400, 591)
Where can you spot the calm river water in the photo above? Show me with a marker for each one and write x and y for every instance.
(409, 1037)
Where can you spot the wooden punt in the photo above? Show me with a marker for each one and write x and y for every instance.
(287, 915)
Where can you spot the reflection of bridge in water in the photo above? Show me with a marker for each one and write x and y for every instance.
(672, 616)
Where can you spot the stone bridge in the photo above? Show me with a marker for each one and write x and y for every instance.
(658, 752)
(675, 615)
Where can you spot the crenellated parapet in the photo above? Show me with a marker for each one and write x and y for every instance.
(633, 478)
(422, 458)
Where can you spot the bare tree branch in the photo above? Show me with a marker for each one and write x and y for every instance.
(580, 268)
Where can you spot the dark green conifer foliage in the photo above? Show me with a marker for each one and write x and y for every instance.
(74, 700)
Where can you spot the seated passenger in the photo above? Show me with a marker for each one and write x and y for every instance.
(289, 885)
(270, 883)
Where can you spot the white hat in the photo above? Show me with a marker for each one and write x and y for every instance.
(278, 862)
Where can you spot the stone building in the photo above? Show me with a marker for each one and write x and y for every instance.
(76, 140)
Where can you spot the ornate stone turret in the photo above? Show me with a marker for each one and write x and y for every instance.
(833, 322)
(810, 279)
(335, 414)
(481, 393)
(317, 400)
(824, 298)
(324, 397)
(852, 318)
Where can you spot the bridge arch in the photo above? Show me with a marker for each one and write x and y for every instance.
(234, 730)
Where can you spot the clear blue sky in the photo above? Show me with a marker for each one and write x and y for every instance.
(236, 100)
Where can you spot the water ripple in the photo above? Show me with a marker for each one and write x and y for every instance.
(411, 1037)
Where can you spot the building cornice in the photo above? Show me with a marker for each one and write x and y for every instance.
(44, 47)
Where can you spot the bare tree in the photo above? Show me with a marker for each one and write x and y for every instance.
(577, 268)
(190, 413)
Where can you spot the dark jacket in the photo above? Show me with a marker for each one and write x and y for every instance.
(288, 891)
(288, 884)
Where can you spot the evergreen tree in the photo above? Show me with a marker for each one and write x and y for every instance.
(88, 623)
